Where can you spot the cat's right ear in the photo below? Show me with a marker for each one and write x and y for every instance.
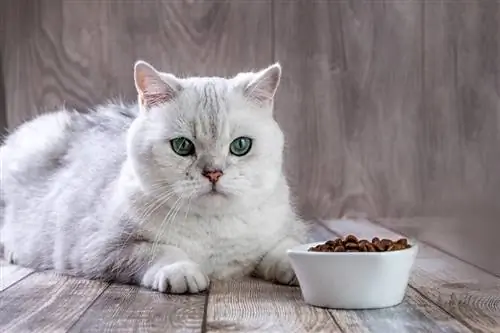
(154, 88)
(262, 88)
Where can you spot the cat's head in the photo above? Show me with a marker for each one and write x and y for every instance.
(210, 144)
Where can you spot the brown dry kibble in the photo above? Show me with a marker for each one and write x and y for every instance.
(402, 241)
(351, 244)
(351, 239)
(338, 242)
(386, 242)
(370, 247)
(379, 247)
(399, 246)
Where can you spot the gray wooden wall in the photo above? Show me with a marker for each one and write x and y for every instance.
(391, 108)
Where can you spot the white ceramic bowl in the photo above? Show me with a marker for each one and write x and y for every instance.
(353, 280)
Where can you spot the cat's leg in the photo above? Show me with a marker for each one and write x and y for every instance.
(275, 265)
(162, 267)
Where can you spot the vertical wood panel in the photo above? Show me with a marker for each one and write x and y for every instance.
(82, 52)
(460, 135)
(459, 141)
(309, 100)
(3, 103)
(350, 98)
(3, 113)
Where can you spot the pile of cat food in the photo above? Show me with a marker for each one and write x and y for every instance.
(351, 243)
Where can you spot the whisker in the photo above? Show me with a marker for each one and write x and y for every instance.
(149, 209)
(169, 214)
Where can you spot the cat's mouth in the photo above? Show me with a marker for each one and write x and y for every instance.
(214, 191)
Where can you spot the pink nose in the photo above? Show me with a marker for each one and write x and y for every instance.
(212, 175)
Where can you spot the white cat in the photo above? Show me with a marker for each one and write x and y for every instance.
(184, 187)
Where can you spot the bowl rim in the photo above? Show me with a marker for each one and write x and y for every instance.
(302, 249)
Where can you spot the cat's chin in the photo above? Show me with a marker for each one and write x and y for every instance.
(214, 201)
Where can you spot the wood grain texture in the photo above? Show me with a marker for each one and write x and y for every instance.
(352, 89)
(3, 113)
(3, 103)
(415, 315)
(124, 309)
(473, 239)
(459, 123)
(394, 112)
(81, 53)
(11, 274)
(469, 294)
(46, 302)
(252, 305)
(459, 129)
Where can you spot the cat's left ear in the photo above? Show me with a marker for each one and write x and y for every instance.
(154, 88)
(263, 86)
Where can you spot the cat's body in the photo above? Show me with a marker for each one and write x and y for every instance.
(106, 195)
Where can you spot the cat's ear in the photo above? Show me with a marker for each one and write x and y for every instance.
(263, 85)
(153, 87)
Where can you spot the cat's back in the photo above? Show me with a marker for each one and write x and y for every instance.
(44, 145)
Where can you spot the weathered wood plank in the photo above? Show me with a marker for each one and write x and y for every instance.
(251, 305)
(471, 238)
(124, 308)
(415, 315)
(80, 53)
(469, 294)
(3, 98)
(46, 302)
(459, 128)
(10, 274)
(351, 87)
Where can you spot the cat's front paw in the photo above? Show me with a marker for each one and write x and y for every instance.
(279, 271)
(177, 278)
(284, 273)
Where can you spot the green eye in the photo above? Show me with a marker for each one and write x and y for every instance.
(182, 146)
(240, 146)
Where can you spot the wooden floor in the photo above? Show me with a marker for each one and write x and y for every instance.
(445, 295)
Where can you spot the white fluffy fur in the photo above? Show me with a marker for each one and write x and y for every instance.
(103, 195)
